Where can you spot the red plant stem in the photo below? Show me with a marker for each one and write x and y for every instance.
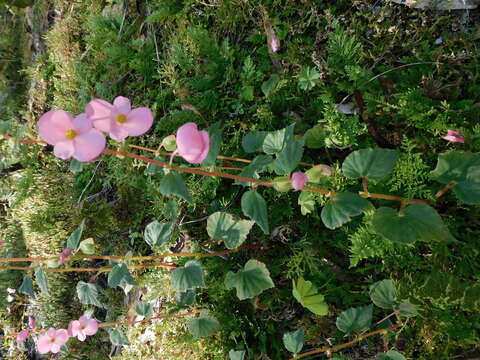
(231, 176)
(347, 344)
(133, 258)
(115, 323)
(441, 192)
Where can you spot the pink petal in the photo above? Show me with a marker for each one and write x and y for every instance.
(51, 332)
(31, 322)
(81, 336)
(44, 344)
(139, 121)
(118, 132)
(99, 112)
(70, 330)
(61, 336)
(299, 179)
(206, 144)
(82, 124)
(454, 136)
(22, 336)
(53, 125)
(75, 327)
(89, 145)
(122, 104)
(64, 255)
(64, 150)
(55, 348)
(191, 143)
(91, 327)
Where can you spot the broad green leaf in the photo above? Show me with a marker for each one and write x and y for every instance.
(120, 276)
(75, 166)
(355, 319)
(253, 141)
(203, 325)
(317, 173)
(186, 298)
(307, 294)
(88, 294)
(341, 208)
(383, 294)
(158, 234)
(215, 133)
(374, 164)
(255, 207)
(282, 184)
(74, 238)
(173, 184)
(117, 337)
(221, 225)
(270, 85)
(417, 222)
(188, 277)
(276, 140)
(462, 169)
(171, 210)
(251, 281)
(306, 200)
(27, 287)
(144, 309)
(87, 246)
(237, 354)
(256, 166)
(287, 160)
(42, 280)
(390, 355)
(315, 137)
(153, 169)
(294, 341)
(407, 309)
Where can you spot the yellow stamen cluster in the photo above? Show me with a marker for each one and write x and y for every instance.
(121, 118)
(70, 134)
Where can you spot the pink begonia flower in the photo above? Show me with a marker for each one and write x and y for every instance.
(22, 336)
(82, 328)
(119, 119)
(299, 179)
(31, 322)
(71, 136)
(454, 136)
(65, 255)
(192, 145)
(274, 44)
(52, 341)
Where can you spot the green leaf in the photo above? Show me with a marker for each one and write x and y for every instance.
(221, 225)
(158, 234)
(74, 238)
(117, 337)
(287, 160)
(391, 355)
(186, 298)
(294, 341)
(462, 169)
(88, 294)
(276, 140)
(237, 354)
(315, 137)
(251, 281)
(42, 280)
(75, 166)
(309, 77)
(171, 210)
(255, 207)
(306, 200)
(27, 286)
(355, 319)
(374, 164)
(87, 246)
(251, 170)
(188, 277)
(341, 208)
(407, 309)
(173, 184)
(144, 309)
(120, 276)
(153, 169)
(203, 326)
(307, 294)
(253, 141)
(317, 173)
(417, 222)
(270, 85)
(247, 93)
(383, 294)
(215, 133)
(282, 184)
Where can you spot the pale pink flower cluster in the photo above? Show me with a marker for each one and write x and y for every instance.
(454, 136)
(82, 137)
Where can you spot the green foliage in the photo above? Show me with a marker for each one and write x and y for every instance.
(294, 341)
(308, 78)
(188, 277)
(255, 207)
(383, 294)
(307, 294)
(251, 281)
(203, 325)
(340, 208)
(355, 319)
(221, 225)
(374, 164)
(173, 184)
(88, 294)
(158, 234)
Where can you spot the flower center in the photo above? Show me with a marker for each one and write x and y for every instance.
(121, 118)
(52, 340)
(70, 134)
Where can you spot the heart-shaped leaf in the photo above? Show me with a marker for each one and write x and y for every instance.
(287, 160)
(253, 141)
(418, 221)
(255, 207)
(306, 294)
(270, 85)
(276, 140)
(87, 246)
(41, 280)
(294, 341)
(341, 208)
(74, 238)
(374, 164)
(355, 319)
(384, 294)
(173, 184)
(251, 281)
(117, 337)
(221, 225)
(186, 298)
(203, 325)
(120, 276)
(254, 168)
(88, 294)
(144, 309)
(407, 309)
(157, 234)
(188, 277)
(27, 287)
(306, 200)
